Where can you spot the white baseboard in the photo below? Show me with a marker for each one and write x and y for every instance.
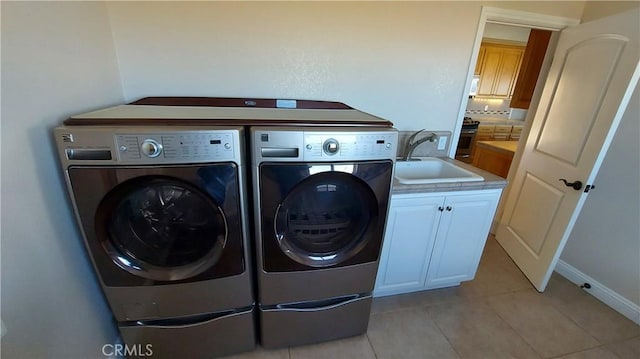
(614, 300)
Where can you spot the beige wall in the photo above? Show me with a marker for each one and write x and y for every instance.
(389, 59)
(597, 9)
(571, 9)
(506, 32)
(405, 61)
(57, 59)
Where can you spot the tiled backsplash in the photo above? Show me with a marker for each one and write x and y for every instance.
(479, 108)
(426, 149)
(489, 112)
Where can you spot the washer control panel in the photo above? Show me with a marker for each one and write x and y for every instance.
(140, 145)
(175, 147)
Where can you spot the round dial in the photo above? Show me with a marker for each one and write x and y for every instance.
(151, 148)
(331, 146)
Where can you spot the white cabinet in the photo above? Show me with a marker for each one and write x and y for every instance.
(411, 231)
(434, 240)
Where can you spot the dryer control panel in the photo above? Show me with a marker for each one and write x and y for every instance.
(352, 146)
(335, 144)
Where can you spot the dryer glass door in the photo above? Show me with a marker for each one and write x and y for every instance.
(321, 222)
(322, 215)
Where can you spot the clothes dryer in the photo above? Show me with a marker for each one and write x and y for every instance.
(162, 212)
(320, 199)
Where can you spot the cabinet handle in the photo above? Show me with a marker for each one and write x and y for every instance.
(449, 208)
(440, 209)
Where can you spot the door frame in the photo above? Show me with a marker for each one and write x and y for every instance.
(512, 18)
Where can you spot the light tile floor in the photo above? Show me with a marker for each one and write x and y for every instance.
(497, 315)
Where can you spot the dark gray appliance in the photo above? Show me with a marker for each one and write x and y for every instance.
(162, 212)
(320, 198)
(464, 151)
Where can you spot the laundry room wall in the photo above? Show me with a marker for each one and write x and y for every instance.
(57, 59)
(605, 242)
(401, 60)
(404, 61)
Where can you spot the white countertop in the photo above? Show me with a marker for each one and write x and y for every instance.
(490, 181)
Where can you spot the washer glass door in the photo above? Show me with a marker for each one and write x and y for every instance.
(162, 228)
(157, 225)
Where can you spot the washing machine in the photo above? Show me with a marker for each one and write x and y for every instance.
(162, 210)
(321, 197)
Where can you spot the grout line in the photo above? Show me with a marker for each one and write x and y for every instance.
(550, 303)
(584, 350)
(371, 344)
(444, 335)
(618, 342)
(515, 331)
(587, 297)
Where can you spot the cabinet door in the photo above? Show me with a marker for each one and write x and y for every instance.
(462, 234)
(408, 241)
(500, 137)
(489, 70)
(486, 129)
(508, 72)
(498, 70)
(503, 129)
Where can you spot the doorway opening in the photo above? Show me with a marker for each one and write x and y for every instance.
(509, 63)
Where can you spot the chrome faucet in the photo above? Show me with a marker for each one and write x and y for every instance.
(411, 145)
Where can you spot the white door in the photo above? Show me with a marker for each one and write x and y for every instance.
(594, 71)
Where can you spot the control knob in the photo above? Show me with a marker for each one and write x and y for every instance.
(151, 148)
(331, 146)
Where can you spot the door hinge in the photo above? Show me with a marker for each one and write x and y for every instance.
(588, 188)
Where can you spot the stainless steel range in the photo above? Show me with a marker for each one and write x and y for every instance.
(468, 133)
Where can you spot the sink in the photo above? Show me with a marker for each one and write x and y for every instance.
(432, 170)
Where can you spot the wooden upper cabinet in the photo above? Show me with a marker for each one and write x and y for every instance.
(498, 65)
(530, 69)
(508, 74)
(489, 71)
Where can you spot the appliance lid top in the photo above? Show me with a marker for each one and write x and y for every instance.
(200, 115)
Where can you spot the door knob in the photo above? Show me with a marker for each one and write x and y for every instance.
(577, 185)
